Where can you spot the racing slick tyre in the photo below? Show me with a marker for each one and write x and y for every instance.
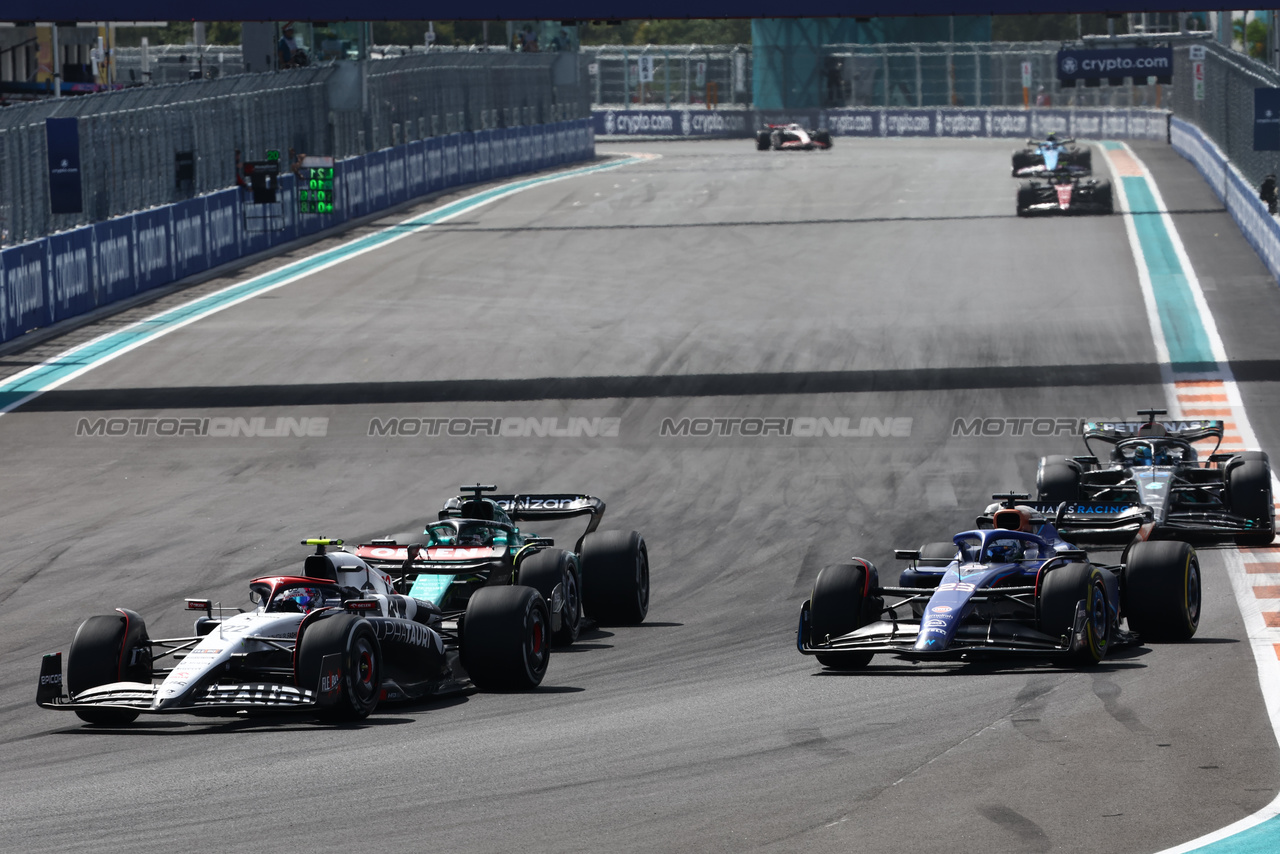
(615, 578)
(933, 555)
(775, 141)
(840, 604)
(1103, 194)
(1080, 155)
(762, 140)
(1161, 590)
(359, 681)
(1023, 159)
(106, 649)
(822, 138)
(1060, 591)
(1026, 197)
(1057, 480)
(505, 642)
(547, 570)
(1249, 495)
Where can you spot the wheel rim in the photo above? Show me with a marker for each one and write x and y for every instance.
(572, 614)
(536, 645)
(1098, 618)
(1192, 593)
(642, 581)
(364, 679)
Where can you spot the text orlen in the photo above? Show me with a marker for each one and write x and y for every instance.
(216, 427)
(797, 426)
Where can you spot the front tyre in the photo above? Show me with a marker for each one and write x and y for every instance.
(839, 604)
(359, 657)
(1061, 590)
(615, 578)
(1249, 495)
(1058, 480)
(506, 643)
(1162, 590)
(762, 140)
(106, 649)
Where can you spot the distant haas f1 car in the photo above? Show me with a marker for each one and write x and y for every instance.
(1064, 193)
(1012, 586)
(791, 136)
(1044, 157)
(1153, 486)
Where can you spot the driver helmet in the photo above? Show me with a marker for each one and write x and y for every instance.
(1142, 456)
(1005, 551)
(1053, 136)
(302, 599)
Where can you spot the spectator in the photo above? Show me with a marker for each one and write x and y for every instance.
(529, 39)
(1043, 98)
(288, 53)
(1267, 192)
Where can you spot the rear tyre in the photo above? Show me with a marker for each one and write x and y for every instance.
(1026, 198)
(615, 578)
(1023, 159)
(839, 605)
(1103, 192)
(1060, 591)
(1162, 590)
(505, 638)
(1249, 495)
(823, 138)
(762, 140)
(360, 664)
(106, 649)
(545, 571)
(1057, 480)
(1080, 155)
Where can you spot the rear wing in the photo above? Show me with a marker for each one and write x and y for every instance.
(543, 507)
(1114, 432)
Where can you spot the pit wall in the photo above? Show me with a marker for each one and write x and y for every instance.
(1240, 199)
(74, 272)
(1135, 123)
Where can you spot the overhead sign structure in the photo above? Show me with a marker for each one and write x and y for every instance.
(1266, 119)
(1115, 65)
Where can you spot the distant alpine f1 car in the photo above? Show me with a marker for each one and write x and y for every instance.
(1154, 486)
(1044, 157)
(1064, 193)
(475, 544)
(791, 136)
(335, 639)
(1013, 586)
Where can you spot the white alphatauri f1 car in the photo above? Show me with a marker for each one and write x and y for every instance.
(335, 639)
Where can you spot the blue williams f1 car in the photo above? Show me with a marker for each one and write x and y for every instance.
(1012, 586)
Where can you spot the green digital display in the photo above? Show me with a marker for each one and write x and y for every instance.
(315, 190)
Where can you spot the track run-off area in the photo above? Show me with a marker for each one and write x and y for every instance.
(669, 334)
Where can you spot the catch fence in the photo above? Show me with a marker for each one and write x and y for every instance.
(663, 75)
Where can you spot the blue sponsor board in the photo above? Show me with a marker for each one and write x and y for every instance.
(190, 246)
(69, 268)
(466, 158)
(484, 168)
(397, 184)
(961, 123)
(909, 123)
(451, 166)
(375, 180)
(692, 122)
(435, 164)
(415, 168)
(113, 273)
(351, 175)
(1266, 119)
(62, 142)
(1114, 64)
(153, 248)
(22, 292)
(222, 226)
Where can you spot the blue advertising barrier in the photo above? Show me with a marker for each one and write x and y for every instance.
(73, 272)
(113, 270)
(23, 303)
(69, 266)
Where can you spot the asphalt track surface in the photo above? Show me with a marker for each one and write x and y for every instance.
(883, 279)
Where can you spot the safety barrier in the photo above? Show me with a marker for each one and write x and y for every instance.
(1136, 123)
(73, 272)
(1230, 186)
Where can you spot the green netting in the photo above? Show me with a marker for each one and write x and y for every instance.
(788, 58)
